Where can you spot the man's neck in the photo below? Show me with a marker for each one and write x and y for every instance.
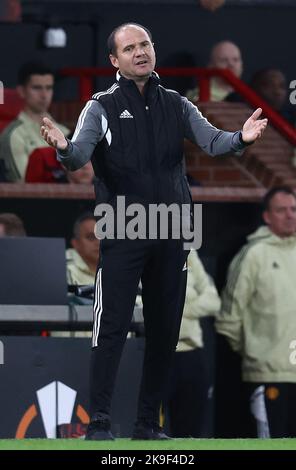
(140, 82)
(36, 117)
(141, 86)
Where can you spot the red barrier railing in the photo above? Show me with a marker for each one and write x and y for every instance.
(203, 75)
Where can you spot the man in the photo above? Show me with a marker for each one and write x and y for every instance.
(134, 134)
(82, 259)
(258, 316)
(11, 225)
(271, 85)
(22, 136)
(224, 55)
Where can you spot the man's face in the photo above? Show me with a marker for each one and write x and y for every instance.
(281, 215)
(83, 175)
(37, 93)
(135, 55)
(227, 56)
(274, 89)
(87, 244)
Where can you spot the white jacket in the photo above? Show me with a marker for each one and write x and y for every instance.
(258, 313)
(201, 300)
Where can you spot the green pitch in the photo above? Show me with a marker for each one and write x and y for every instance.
(126, 444)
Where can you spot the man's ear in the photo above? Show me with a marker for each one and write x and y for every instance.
(114, 60)
(21, 91)
(266, 218)
(74, 243)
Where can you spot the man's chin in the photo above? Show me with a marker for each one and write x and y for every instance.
(289, 233)
(41, 110)
(144, 75)
(147, 70)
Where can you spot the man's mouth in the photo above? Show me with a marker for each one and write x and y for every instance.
(142, 62)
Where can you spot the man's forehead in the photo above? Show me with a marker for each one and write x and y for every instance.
(225, 50)
(36, 78)
(282, 200)
(130, 34)
(87, 223)
(275, 76)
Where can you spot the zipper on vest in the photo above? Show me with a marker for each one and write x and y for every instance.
(152, 152)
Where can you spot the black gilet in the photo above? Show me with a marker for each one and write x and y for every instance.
(144, 155)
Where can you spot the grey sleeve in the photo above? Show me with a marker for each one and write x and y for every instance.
(212, 140)
(91, 128)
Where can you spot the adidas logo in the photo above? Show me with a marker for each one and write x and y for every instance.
(126, 115)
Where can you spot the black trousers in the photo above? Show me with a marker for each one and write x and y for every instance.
(160, 266)
(271, 409)
(190, 398)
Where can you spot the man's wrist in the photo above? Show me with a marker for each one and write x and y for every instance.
(65, 149)
(240, 136)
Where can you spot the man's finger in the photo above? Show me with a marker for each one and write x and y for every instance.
(47, 122)
(256, 113)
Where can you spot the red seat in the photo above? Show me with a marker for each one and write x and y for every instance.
(43, 167)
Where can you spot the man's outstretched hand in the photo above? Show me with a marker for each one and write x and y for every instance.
(53, 135)
(254, 127)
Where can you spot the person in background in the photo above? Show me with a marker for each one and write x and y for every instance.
(224, 55)
(83, 257)
(81, 264)
(258, 317)
(271, 85)
(22, 136)
(11, 225)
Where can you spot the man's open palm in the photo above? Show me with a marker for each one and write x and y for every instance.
(254, 127)
(53, 135)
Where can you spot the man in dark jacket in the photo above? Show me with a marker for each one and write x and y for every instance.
(133, 133)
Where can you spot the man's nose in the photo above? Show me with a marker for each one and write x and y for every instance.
(140, 50)
(44, 93)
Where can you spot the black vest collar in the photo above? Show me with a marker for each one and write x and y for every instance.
(129, 85)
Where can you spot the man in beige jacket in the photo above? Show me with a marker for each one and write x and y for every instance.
(22, 136)
(258, 316)
(83, 257)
